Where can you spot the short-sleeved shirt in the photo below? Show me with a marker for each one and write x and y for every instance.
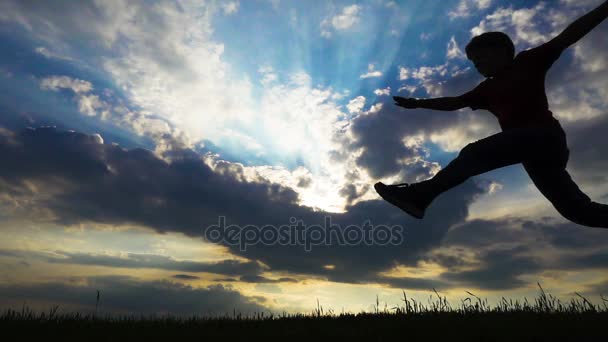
(517, 96)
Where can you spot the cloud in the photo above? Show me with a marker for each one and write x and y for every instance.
(135, 260)
(499, 270)
(228, 267)
(88, 104)
(454, 50)
(51, 55)
(268, 75)
(469, 128)
(391, 4)
(230, 7)
(383, 140)
(378, 143)
(127, 295)
(85, 181)
(383, 92)
(263, 280)
(164, 93)
(56, 83)
(349, 17)
(185, 277)
(600, 287)
(371, 73)
(587, 145)
(521, 24)
(409, 88)
(412, 283)
(466, 8)
(356, 105)
(495, 254)
(422, 73)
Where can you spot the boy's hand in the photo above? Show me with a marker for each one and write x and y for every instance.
(404, 102)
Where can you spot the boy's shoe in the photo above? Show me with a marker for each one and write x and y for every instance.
(404, 196)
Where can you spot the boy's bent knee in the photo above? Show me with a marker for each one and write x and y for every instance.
(470, 151)
(591, 214)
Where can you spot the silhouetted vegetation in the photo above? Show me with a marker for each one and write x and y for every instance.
(547, 318)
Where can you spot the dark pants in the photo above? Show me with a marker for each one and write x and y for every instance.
(544, 154)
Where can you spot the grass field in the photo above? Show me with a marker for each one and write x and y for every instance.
(544, 319)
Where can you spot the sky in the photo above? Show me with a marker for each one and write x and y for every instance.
(129, 128)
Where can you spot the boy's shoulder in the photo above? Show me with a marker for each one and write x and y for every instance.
(542, 56)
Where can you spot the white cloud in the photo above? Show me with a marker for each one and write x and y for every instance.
(425, 35)
(466, 8)
(55, 83)
(391, 4)
(88, 104)
(341, 22)
(371, 72)
(422, 73)
(268, 75)
(408, 88)
(348, 18)
(300, 79)
(51, 55)
(380, 92)
(521, 24)
(494, 187)
(404, 74)
(179, 74)
(454, 50)
(230, 7)
(158, 69)
(454, 138)
(356, 105)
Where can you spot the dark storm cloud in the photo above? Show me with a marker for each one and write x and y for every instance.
(591, 260)
(599, 288)
(226, 280)
(414, 283)
(563, 235)
(499, 270)
(588, 150)
(260, 279)
(351, 192)
(185, 277)
(135, 260)
(82, 180)
(88, 181)
(120, 294)
(506, 249)
(304, 182)
(380, 135)
(482, 233)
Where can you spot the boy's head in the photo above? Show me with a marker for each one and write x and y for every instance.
(490, 52)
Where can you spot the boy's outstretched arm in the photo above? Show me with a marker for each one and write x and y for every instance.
(440, 103)
(579, 28)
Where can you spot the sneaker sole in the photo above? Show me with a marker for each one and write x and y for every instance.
(409, 208)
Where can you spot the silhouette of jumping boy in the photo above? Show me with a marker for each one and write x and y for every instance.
(514, 91)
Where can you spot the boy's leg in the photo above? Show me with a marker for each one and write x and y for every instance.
(496, 151)
(558, 187)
